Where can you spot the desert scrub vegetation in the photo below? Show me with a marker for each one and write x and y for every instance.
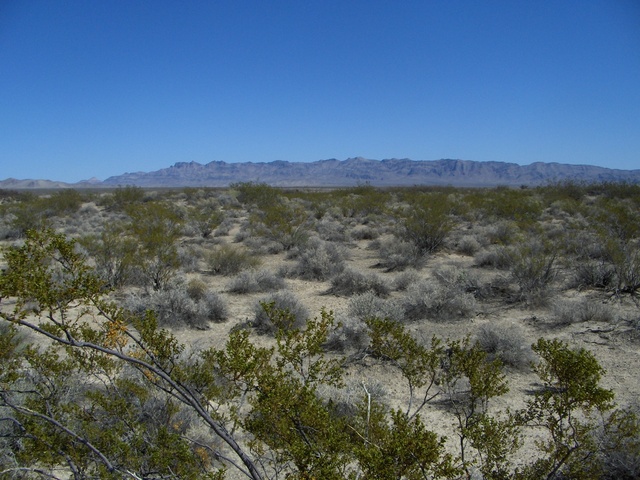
(318, 260)
(255, 281)
(230, 260)
(180, 304)
(283, 301)
(426, 221)
(106, 373)
(350, 282)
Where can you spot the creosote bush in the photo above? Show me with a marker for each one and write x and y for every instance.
(230, 260)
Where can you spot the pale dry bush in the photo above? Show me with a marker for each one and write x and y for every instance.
(369, 305)
(430, 299)
(495, 256)
(224, 228)
(190, 257)
(457, 277)
(351, 335)
(592, 273)
(253, 281)
(468, 245)
(502, 232)
(331, 230)
(318, 260)
(281, 300)
(405, 279)
(566, 312)
(181, 305)
(506, 342)
(364, 232)
(398, 255)
(351, 282)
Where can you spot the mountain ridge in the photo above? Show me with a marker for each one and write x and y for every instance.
(349, 172)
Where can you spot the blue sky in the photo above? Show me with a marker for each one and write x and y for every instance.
(99, 88)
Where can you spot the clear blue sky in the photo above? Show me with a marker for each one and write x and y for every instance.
(99, 88)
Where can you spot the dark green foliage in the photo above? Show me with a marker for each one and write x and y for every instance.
(157, 228)
(533, 267)
(282, 221)
(427, 222)
(569, 407)
(255, 193)
(124, 197)
(363, 200)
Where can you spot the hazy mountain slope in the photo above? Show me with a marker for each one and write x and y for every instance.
(353, 171)
(360, 170)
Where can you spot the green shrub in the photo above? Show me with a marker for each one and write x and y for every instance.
(533, 268)
(427, 222)
(284, 222)
(205, 219)
(230, 260)
(114, 253)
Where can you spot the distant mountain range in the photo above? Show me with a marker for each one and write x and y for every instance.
(350, 172)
